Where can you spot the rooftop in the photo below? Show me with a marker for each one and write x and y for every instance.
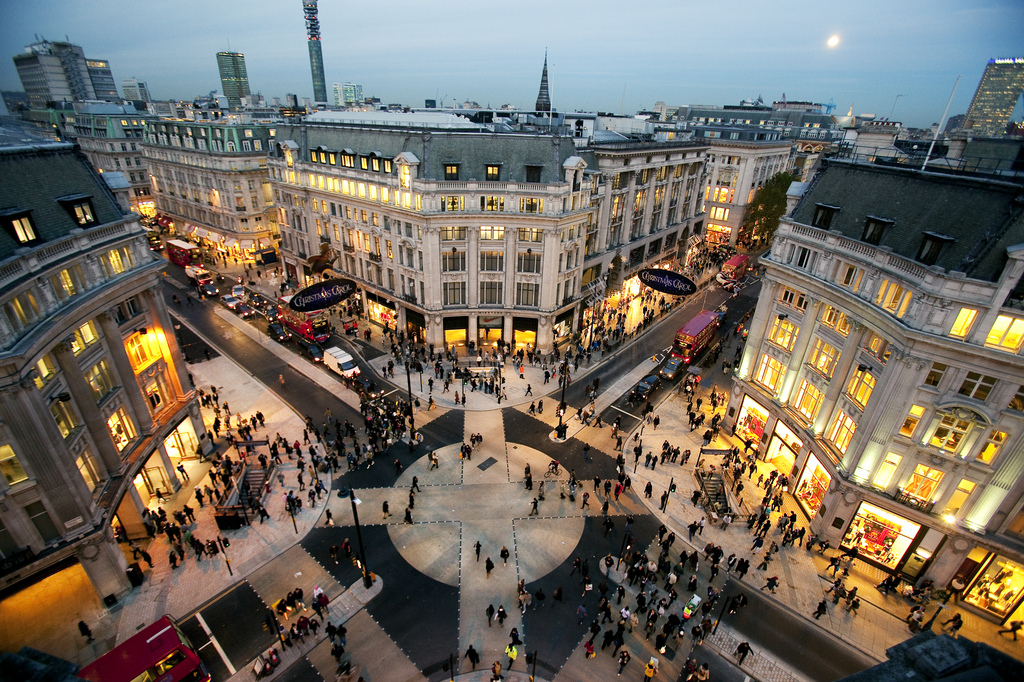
(395, 119)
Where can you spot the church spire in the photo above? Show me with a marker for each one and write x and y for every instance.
(543, 99)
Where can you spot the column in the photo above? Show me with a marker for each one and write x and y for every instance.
(506, 332)
(172, 354)
(799, 352)
(837, 384)
(129, 513)
(165, 459)
(471, 331)
(105, 564)
(85, 400)
(126, 374)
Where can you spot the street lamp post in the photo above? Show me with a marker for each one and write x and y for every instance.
(622, 550)
(561, 405)
(412, 418)
(351, 494)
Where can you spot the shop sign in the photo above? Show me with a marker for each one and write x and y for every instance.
(322, 295)
(667, 282)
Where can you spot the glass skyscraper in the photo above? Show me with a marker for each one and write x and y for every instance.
(1000, 88)
(234, 80)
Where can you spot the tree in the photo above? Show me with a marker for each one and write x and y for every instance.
(767, 208)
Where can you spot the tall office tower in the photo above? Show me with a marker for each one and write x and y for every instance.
(59, 72)
(543, 98)
(135, 90)
(338, 94)
(998, 92)
(316, 55)
(233, 78)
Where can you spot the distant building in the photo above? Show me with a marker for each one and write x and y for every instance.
(543, 97)
(316, 55)
(430, 103)
(997, 94)
(135, 90)
(96, 407)
(350, 93)
(234, 80)
(54, 72)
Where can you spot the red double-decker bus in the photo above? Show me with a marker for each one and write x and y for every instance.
(182, 253)
(312, 326)
(696, 335)
(160, 652)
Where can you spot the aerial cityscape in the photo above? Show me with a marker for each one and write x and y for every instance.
(340, 346)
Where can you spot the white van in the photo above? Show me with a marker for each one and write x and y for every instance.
(340, 362)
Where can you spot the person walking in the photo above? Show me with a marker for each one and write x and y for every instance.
(86, 632)
(473, 656)
(1015, 626)
(821, 610)
(504, 554)
(501, 615)
(477, 547)
(624, 658)
(951, 626)
(384, 507)
(489, 565)
(742, 651)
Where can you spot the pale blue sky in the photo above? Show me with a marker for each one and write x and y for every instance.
(679, 52)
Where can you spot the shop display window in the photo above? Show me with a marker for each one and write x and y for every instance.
(813, 485)
(879, 535)
(751, 420)
(997, 586)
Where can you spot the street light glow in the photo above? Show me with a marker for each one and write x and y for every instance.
(833, 41)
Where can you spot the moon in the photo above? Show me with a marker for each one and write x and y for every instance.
(833, 41)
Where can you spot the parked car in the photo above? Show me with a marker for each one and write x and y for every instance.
(230, 301)
(646, 387)
(672, 369)
(279, 332)
(244, 310)
(310, 349)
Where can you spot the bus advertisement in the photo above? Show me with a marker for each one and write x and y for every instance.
(182, 253)
(696, 335)
(158, 652)
(312, 326)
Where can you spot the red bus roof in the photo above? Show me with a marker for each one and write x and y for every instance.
(699, 322)
(140, 651)
(736, 260)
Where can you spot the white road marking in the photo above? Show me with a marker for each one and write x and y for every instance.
(215, 643)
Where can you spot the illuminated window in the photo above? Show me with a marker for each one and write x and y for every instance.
(385, 195)
(453, 203)
(769, 373)
(84, 337)
(833, 319)
(100, 380)
(959, 497)
(841, 431)
(878, 347)
(450, 233)
(992, 446)
(893, 297)
(793, 298)
(10, 466)
(404, 176)
(83, 213)
(390, 252)
(783, 334)
(22, 228)
(860, 387)
(143, 350)
(962, 324)
(824, 357)
(121, 429)
(373, 192)
(808, 400)
(492, 232)
(911, 421)
(1017, 401)
(364, 163)
(119, 260)
(64, 416)
(977, 386)
(923, 482)
(66, 282)
(45, 370)
(719, 213)
(451, 171)
(885, 472)
(530, 234)
(950, 433)
(493, 173)
(935, 374)
(1007, 332)
(527, 205)
(489, 203)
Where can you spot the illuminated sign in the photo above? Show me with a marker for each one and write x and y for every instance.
(322, 295)
(667, 282)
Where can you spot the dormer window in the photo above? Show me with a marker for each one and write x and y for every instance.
(874, 229)
(931, 247)
(451, 171)
(823, 215)
(19, 225)
(79, 206)
(493, 173)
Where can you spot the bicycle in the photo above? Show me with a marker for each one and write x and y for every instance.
(553, 470)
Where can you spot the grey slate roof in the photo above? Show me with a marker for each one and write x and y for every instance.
(983, 216)
(33, 178)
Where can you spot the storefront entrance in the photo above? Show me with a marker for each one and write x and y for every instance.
(881, 537)
(524, 332)
(783, 449)
(182, 444)
(751, 421)
(563, 326)
(489, 330)
(455, 331)
(415, 325)
(812, 486)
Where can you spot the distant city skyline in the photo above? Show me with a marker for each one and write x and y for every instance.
(899, 58)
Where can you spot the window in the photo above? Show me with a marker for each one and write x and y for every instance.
(860, 387)
(808, 400)
(490, 293)
(67, 283)
(451, 171)
(959, 497)
(1007, 332)
(769, 373)
(988, 453)
(950, 433)
(962, 325)
(453, 234)
(823, 216)
(82, 213)
(833, 319)
(41, 520)
(22, 310)
(874, 228)
(529, 205)
(493, 173)
(530, 234)
(492, 232)
(100, 380)
(977, 386)
(803, 257)
(492, 260)
(935, 374)
(143, 350)
(793, 298)
(453, 262)
(533, 173)
(1017, 401)
(911, 421)
(10, 466)
(923, 482)
(885, 472)
(492, 203)
(117, 261)
(527, 294)
(84, 337)
(824, 357)
(931, 247)
(64, 416)
(893, 297)
(783, 334)
(453, 203)
(528, 262)
(121, 429)
(45, 370)
(841, 431)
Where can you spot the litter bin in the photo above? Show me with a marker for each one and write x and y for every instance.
(135, 575)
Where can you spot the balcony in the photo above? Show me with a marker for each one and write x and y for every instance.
(409, 298)
(909, 500)
(348, 248)
(375, 257)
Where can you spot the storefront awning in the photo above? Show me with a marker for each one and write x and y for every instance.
(214, 236)
(231, 243)
(200, 232)
(245, 243)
